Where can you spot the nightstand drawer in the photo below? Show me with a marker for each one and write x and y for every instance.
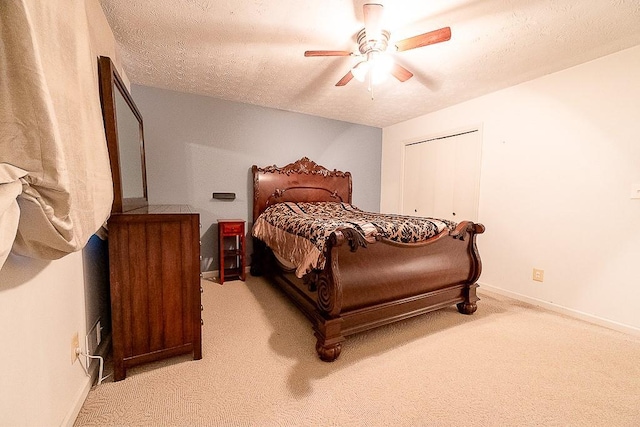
(232, 228)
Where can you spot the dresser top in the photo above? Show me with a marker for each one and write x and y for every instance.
(162, 209)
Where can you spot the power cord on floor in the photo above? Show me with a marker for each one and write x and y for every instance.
(79, 352)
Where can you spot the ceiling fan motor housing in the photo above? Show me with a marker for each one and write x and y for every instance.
(373, 45)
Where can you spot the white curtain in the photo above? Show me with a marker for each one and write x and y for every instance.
(55, 180)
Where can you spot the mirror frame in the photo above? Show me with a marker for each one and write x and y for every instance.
(109, 81)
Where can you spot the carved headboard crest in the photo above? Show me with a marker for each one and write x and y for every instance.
(304, 166)
(301, 181)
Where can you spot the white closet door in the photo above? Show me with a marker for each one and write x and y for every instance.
(420, 191)
(412, 180)
(442, 177)
(466, 186)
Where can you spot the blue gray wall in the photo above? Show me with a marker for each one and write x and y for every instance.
(197, 145)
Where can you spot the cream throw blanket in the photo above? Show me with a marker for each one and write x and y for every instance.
(55, 180)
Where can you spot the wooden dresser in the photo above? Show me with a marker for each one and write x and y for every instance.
(154, 262)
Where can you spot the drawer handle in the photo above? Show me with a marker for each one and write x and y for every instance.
(201, 322)
(201, 290)
(201, 307)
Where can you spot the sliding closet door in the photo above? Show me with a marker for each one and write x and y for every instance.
(466, 181)
(442, 177)
(415, 195)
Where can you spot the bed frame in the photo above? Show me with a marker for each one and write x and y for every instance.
(364, 285)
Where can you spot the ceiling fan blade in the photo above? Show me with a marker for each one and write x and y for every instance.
(327, 53)
(401, 73)
(432, 37)
(346, 79)
(373, 20)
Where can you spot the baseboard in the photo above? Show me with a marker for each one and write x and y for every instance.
(621, 327)
(216, 273)
(78, 401)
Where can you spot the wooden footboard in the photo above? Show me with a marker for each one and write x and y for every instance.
(364, 286)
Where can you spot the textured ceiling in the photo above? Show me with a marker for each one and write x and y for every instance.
(252, 51)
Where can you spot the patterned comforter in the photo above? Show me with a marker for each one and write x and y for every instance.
(298, 232)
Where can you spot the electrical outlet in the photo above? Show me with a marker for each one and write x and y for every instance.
(75, 344)
(538, 275)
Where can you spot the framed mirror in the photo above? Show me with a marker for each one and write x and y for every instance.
(125, 140)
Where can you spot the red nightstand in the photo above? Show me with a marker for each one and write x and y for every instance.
(231, 249)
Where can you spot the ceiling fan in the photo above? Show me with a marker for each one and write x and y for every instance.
(373, 44)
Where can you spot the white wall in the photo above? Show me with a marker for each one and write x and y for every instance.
(42, 304)
(560, 154)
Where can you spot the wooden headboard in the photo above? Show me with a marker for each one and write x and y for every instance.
(301, 181)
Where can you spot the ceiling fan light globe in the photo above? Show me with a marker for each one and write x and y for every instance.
(383, 63)
(360, 70)
(380, 65)
(378, 76)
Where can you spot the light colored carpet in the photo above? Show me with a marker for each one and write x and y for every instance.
(508, 364)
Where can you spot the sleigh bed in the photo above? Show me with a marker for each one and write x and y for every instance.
(362, 281)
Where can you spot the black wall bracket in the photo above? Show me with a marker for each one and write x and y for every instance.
(224, 196)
